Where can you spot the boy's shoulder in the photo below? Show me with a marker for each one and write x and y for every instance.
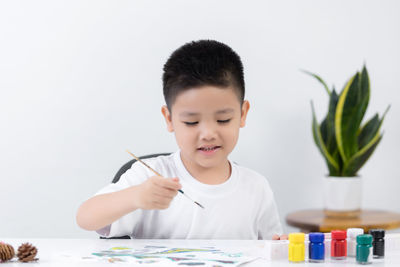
(139, 173)
(163, 164)
(162, 158)
(246, 174)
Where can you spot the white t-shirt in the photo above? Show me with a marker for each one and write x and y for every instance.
(242, 207)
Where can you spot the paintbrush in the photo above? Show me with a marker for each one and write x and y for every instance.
(156, 173)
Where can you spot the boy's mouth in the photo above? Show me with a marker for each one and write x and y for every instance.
(208, 148)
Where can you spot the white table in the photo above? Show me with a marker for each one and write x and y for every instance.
(71, 252)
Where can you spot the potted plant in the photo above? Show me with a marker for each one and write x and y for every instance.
(346, 142)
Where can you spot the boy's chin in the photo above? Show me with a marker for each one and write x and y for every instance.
(207, 165)
(212, 162)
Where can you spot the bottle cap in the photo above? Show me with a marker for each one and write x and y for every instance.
(316, 237)
(296, 237)
(364, 239)
(338, 234)
(354, 232)
(377, 233)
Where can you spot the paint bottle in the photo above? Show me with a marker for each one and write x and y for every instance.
(296, 247)
(378, 242)
(327, 244)
(364, 249)
(352, 234)
(316, 248)
(338, 245)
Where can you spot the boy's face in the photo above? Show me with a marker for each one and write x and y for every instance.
(206, 122)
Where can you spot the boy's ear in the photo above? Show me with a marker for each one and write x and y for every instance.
(167, 117)
(245, 110)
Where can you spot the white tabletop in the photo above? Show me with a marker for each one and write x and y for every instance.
(75, 252)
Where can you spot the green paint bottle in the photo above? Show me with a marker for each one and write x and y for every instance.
(364, 249)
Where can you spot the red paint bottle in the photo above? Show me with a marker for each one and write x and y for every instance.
(338, 245)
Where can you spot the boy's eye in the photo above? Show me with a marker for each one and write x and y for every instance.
(191, 123)
(224, 121)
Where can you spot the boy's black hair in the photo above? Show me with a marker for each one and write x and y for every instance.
(201, 63)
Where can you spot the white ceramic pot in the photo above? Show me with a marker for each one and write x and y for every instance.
(342, 194)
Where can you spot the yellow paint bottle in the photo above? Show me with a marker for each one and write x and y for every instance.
(296, 247)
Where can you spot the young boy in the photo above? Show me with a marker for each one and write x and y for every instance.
(204, 92)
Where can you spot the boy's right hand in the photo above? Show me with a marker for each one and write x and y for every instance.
(157, 192)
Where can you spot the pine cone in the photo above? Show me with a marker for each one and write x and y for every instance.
(27, 252)
(6, 252)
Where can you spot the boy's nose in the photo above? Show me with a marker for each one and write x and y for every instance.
(207, 132)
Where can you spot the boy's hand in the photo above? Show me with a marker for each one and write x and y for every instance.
(277, 237)
(157, 192)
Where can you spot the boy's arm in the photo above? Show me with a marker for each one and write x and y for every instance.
(269, 220)
(102, 210)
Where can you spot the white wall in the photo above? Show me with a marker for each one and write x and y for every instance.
(80, 82)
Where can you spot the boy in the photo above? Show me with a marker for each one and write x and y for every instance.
(203, 87)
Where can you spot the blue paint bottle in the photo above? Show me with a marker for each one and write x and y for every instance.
(316, 248)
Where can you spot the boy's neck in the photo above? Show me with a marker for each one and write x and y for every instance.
(211, 176)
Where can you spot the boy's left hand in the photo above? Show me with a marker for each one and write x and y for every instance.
(278, 237)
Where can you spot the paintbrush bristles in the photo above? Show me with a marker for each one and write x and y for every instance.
(156, 173)
(198, 204)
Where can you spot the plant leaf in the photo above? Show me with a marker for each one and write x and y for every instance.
(349, 113)
(359, 159)
(336, 156)
(319, 79)
(338, 117)
(327, 129)
(331, 139)
(370, 129)
(364, 93)
(369, 132)
(332, 164)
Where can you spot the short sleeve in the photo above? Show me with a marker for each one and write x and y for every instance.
(125, 225)
(269, 221)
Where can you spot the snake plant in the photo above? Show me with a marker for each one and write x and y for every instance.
(344, 141)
